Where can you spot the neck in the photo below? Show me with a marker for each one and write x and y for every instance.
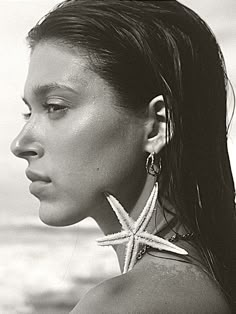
(111, 224)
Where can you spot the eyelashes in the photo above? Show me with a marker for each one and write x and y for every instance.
(54, 110)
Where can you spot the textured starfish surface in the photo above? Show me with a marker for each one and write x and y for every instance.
(133, 232)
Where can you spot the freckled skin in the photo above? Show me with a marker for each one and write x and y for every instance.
(92, 147)
(156, 286)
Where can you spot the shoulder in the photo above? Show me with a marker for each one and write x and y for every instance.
(167, 287)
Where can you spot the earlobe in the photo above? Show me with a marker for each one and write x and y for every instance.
(155, 138)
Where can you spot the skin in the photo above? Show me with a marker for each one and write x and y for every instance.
(156, 286)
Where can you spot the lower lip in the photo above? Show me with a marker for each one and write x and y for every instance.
(38, 187)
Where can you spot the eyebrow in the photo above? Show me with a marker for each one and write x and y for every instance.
(42, 90)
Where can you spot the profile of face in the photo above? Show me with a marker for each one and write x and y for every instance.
(77, 141)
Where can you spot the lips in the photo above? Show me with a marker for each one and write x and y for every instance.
(36, 176)
(40, 186)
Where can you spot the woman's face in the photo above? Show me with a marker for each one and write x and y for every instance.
(77, 141)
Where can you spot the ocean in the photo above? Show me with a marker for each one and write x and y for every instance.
(46, 270)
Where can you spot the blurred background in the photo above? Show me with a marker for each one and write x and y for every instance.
(45, 269)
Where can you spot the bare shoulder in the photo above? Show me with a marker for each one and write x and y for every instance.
(165, 287)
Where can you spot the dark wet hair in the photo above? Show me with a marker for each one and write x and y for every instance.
(146, 48)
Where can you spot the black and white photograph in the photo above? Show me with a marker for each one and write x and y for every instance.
(118, 157)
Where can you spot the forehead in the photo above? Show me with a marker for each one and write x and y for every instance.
(59, 65)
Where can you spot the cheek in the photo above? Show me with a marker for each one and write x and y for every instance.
(94, 154)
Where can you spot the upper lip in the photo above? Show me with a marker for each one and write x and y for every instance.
(36, 176)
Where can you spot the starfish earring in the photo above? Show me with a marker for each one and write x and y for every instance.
(133, 232)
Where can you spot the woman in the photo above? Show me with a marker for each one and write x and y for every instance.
(127, 125)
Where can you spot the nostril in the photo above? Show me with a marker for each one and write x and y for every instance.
(27, 154)
(22, 149)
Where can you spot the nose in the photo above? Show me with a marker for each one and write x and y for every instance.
(25, 145)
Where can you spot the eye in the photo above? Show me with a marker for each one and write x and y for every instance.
(55, 108)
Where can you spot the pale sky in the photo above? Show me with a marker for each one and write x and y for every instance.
(16, 18)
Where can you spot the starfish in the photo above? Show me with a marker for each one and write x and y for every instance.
(133, 232)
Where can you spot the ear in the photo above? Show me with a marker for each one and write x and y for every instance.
(156, 125)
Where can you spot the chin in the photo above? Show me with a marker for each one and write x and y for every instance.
(58, 217)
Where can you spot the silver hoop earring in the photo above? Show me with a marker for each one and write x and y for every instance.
(151, 167)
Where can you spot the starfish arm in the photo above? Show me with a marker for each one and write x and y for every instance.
(129, 254)
(116, 238)
(133, 258)
(125, 220)
(145, 216)
(159, 243)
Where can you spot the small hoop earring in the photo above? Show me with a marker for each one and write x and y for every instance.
(151, 167)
